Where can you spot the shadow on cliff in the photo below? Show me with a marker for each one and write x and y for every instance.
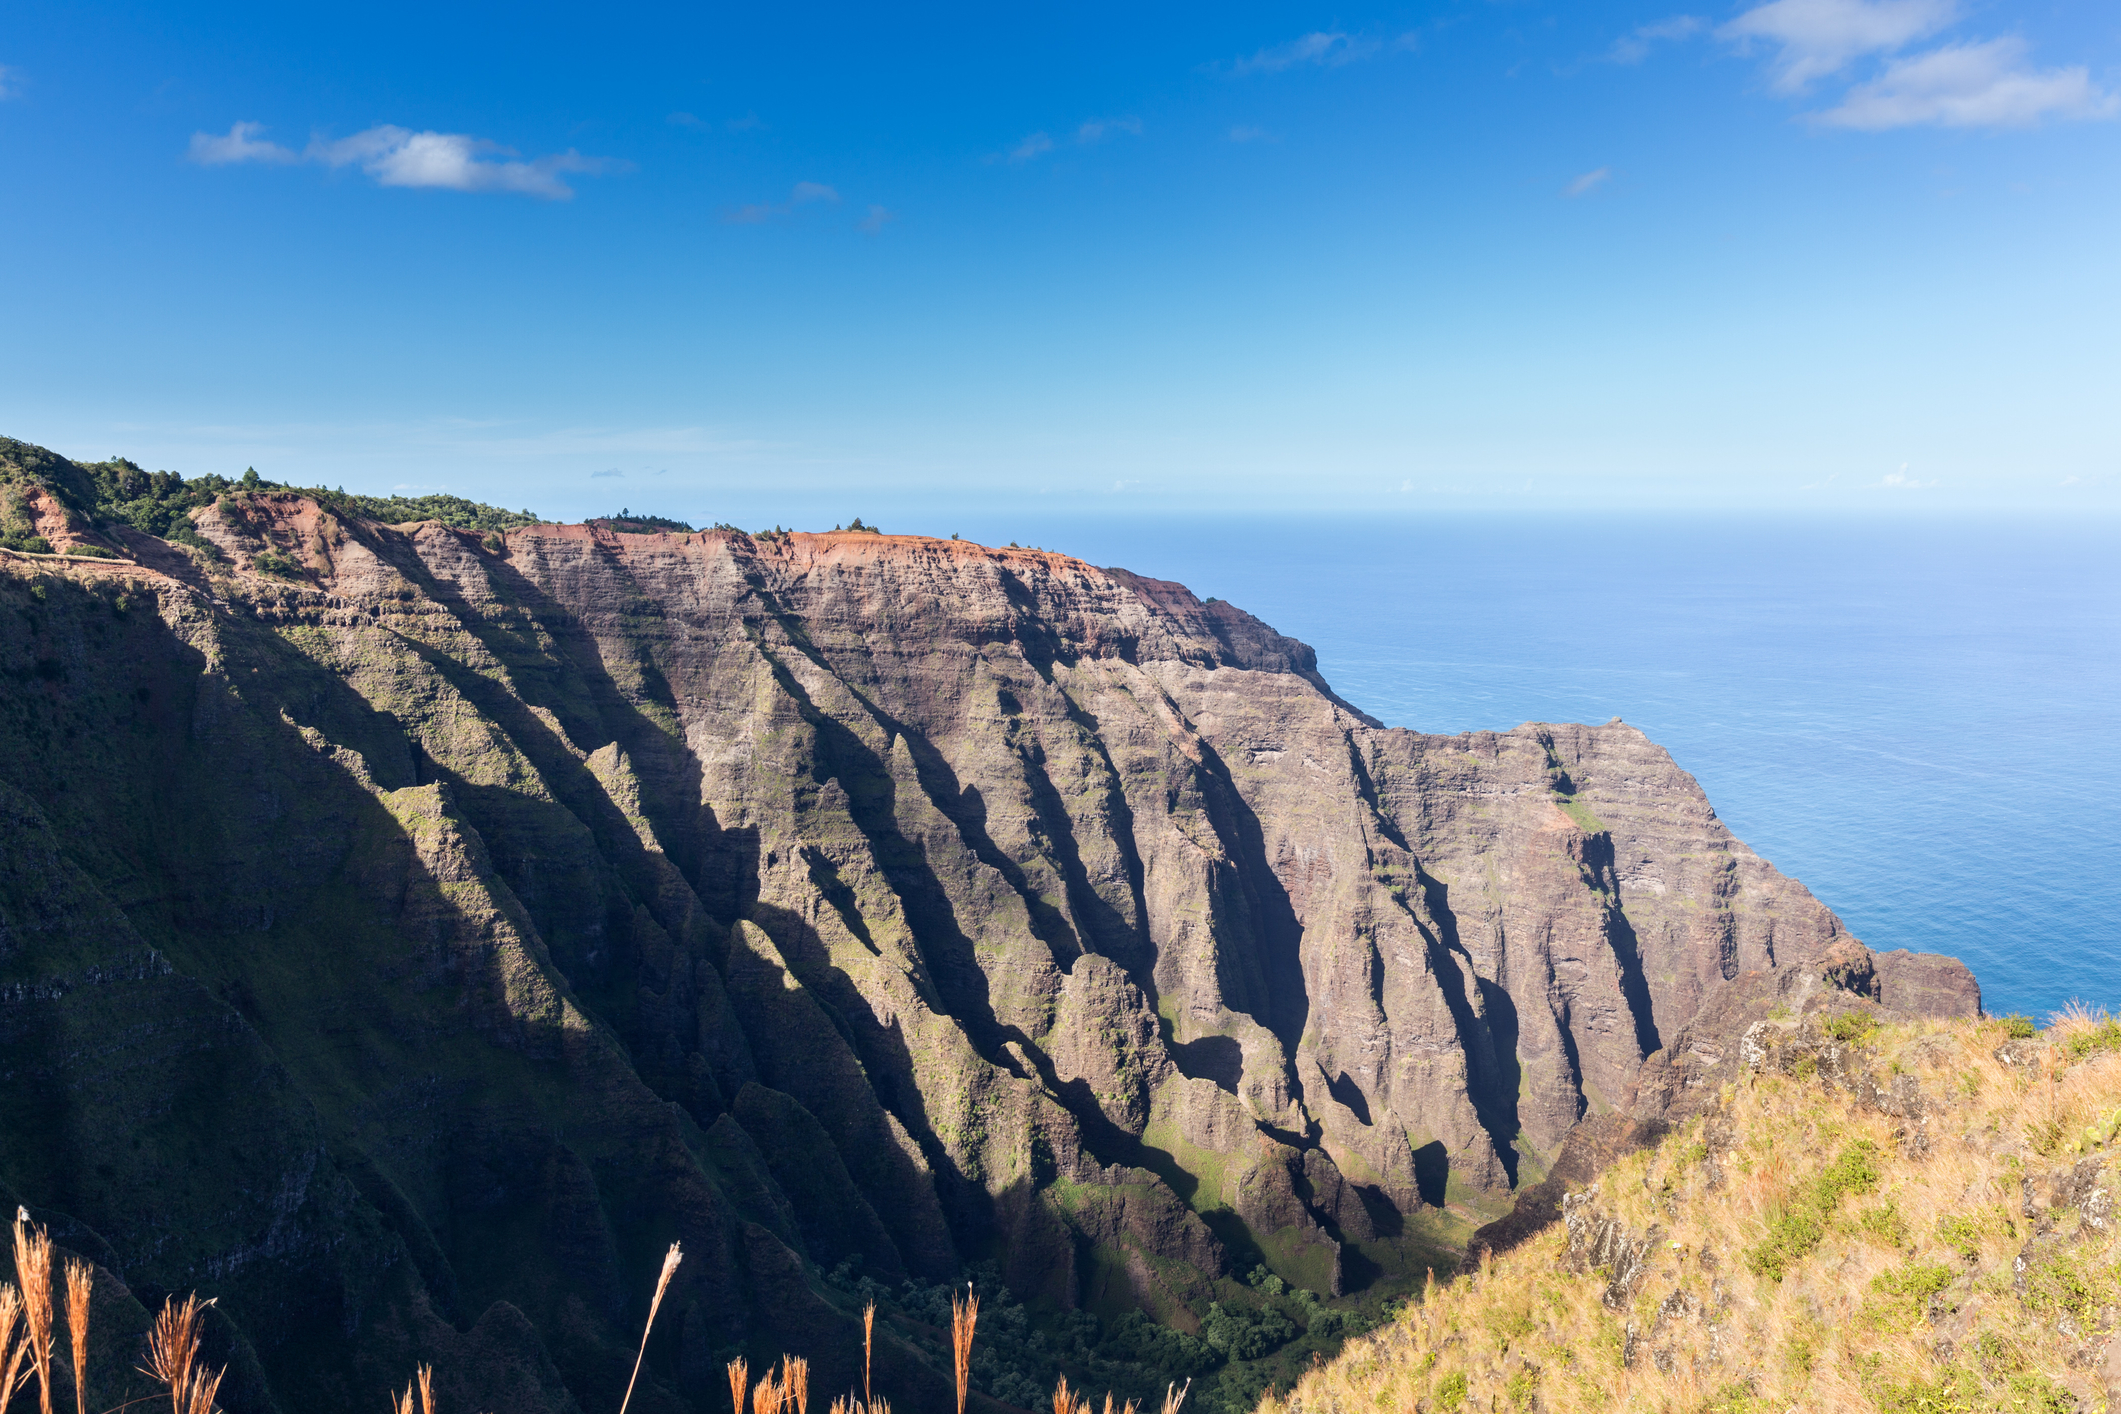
(284, 885)
(594, 939)
(1490, 1039)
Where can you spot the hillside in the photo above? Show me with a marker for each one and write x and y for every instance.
(411, 930)
(1913, 1217)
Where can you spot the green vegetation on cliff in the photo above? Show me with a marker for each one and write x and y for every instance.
(1902, 1218)
(642, 523)
(157, 503)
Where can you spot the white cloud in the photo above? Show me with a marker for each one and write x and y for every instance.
(1037, 144)
(239, 144)
(1091, 131)
(599, 475)
(1985, 85)
(1822, 37)
(877, 218)
(400, 157)
(1901, 481)
(1634, 48)
(1096, 128)
(1588, 182)
(10, 83)
(1244, 132)
(744, 124)
(801, 194)
(1967, 84)
(1323, 47)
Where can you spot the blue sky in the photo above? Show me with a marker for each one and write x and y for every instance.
(1835, 256)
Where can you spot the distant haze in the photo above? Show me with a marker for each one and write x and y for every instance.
(757, 264)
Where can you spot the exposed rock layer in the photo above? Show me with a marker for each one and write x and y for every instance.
(409, 953)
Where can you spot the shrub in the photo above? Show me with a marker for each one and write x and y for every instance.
(1963, 1232)
(1243, 1335)
(1850, 1027)
(279, 566)
(2070, 1285)
(2019, 1028)
(1907, 1290)
(1884, 1223)
(1802, 1223)
(2106, 1036)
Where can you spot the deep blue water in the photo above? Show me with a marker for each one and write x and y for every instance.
(1917, 719)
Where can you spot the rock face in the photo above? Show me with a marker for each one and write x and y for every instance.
(409, 951)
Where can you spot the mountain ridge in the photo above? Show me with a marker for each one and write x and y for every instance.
(1050, 915)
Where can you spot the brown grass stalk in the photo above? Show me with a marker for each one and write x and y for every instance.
(964, 1318)
(33, 1270)
(173, 1356)
(205, 1385)
(15, 1350)
(739, 1383)
(1175, 1393)
(795, 1384)
(80, 1281)
(766, 1396)
(662, 1284)
(868, 1350)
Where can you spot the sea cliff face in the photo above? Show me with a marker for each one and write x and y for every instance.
(408, 945)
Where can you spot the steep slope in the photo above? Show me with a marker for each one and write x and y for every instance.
(1915, 1217)
(411, 931)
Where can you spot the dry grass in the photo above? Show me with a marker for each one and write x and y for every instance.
(80, 1282)
(964, 1319)
(11, 1375)
(423, 1382)
(782, 1391)
(655, 1303)
(27, 1324)
(1789, 1272)
(33, 1269)
(173, 1356)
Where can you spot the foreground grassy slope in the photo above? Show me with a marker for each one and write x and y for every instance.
(1900, 1218)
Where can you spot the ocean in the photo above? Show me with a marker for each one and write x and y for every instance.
(1916, 718)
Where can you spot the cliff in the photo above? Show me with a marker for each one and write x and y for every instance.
(410, 931)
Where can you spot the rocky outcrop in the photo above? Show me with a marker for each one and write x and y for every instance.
(810, 899)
